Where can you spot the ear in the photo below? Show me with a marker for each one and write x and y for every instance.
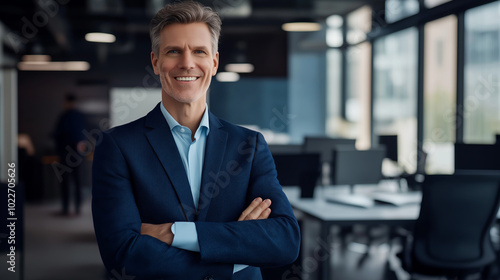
(216, 64)
(154, 62)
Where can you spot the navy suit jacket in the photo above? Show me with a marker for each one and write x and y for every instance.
(138, 177)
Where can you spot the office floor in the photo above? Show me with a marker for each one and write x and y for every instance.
(61, 248)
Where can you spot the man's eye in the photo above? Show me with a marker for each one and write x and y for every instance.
(173, 51)
(199, 52)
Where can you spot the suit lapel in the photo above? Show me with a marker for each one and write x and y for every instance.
(162, 142)
(214, 154)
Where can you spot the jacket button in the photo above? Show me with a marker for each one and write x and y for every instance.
(210, 277)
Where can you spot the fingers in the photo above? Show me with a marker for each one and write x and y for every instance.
(250, 208)
(265, 214)
(258, 209)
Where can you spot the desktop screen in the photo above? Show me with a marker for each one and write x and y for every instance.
(351, 166)
(325, 145)
(391, 146)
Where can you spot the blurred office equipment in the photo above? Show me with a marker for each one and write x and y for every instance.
(353, 167)
(448, 238)
(356, 167)
(477, 157)
(299, 169)
(285, 148)
(390, 142)
(324, 146)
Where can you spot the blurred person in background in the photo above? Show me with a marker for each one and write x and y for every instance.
(69, 139)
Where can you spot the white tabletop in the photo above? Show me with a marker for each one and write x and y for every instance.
(321, 209)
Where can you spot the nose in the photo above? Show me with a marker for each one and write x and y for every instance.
(186, 61)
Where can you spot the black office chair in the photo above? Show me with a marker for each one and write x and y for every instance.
(451, 236)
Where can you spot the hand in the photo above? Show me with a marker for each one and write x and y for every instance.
(163, 232)
(257, 210)
(81, 147)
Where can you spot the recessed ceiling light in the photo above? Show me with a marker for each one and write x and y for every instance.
(53, 66)
(334, 21)
(99, 37)
(301, 26)
(36, 57)
(227, 77)
(240, 67)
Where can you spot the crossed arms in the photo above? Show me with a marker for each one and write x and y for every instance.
(131, 239)
(257, 210)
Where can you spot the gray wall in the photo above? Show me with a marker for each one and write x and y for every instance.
(251, 101)
(307, 84)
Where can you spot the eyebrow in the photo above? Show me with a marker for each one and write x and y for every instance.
(178, 48)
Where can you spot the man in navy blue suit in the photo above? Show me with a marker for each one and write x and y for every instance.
(179, 193)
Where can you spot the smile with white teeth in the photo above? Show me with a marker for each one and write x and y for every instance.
(186, 79)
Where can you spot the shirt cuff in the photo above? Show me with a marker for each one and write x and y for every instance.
(185, 236)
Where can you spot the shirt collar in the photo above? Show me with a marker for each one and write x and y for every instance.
(172, 123)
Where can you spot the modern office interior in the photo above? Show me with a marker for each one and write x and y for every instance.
(382, 116)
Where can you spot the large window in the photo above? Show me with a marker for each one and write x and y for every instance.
(334, 123)
(357, 106)
(358, 93)
(481, 111)
(395, 92)
(399, 9)
(433, 3)
(440, 69)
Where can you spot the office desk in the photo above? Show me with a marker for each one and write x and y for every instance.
(328, 214)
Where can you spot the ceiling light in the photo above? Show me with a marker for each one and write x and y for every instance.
(334, 21)
(227, 77)
(53, 66)
(36, 57)
(240, 67)
(100, 37)
(301, 26)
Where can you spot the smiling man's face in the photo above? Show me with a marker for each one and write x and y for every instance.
(185, 62)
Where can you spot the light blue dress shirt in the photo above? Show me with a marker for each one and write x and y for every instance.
(192, 154)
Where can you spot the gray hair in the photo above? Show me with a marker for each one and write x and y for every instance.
(184, 12)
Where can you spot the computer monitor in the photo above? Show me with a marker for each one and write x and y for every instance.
(477, 157)
(285, 148)
(390, 142)
(299, 169)
(353, 167)
(325, 145)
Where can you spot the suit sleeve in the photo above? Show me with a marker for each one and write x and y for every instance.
(117, 225)
(271, 242)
